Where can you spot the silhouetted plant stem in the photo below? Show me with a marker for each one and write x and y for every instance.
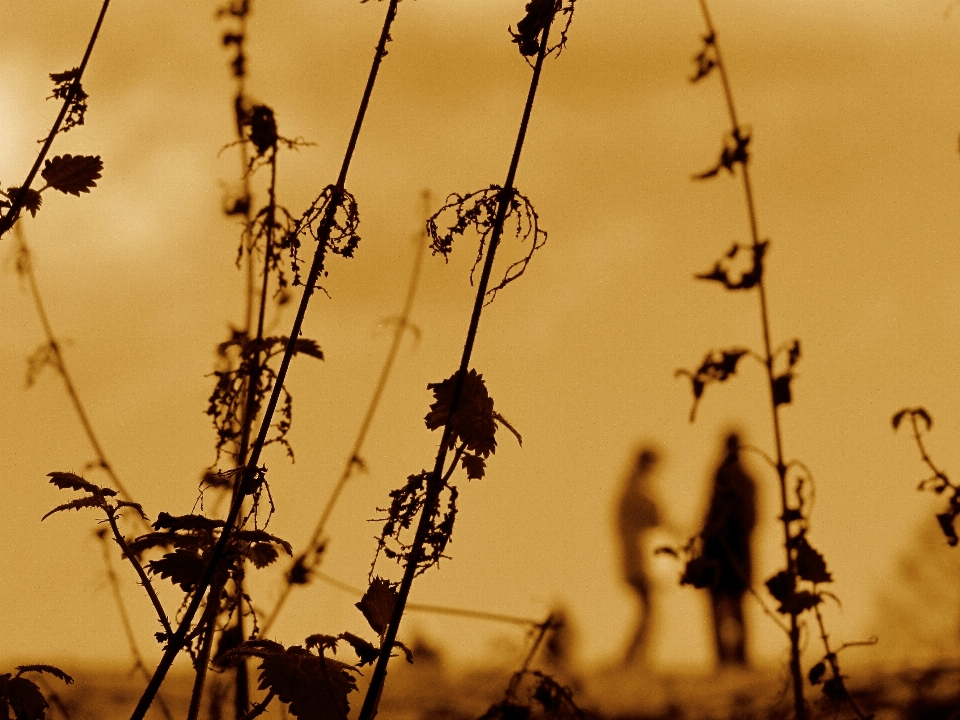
(259, 708)
(435, 482)
(831, 658)
(7, 221)
(138, 662)
(178, 639)
(354, 461)
(25, 268)
(209, 621)
(144, 580)
(796, 672)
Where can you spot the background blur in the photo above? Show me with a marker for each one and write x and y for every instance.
(855, 116)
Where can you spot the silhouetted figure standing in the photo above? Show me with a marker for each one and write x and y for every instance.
(637, 514)
(726, 537)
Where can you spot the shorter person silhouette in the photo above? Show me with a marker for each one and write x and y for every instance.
(637, 514)
(726, 535)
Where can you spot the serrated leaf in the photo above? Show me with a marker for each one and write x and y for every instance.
(261, 536)
(313, 688)
(26, 700)
(367, 652)
(89, 501)
(134, 506)
(32, 200)
(305, 346)
(48, 669)
(322, 642)
(72, 174)
(183, 567)
(166, 521)
(71, 481)
(261, 554)
(810, 563)
(473, 422)
(474, 465)
(377, 604)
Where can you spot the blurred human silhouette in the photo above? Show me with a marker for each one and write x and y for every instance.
(637, 514)
(726, 536)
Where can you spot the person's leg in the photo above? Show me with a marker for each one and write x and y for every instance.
(637, 650)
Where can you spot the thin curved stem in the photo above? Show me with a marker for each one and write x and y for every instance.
(144, 580)
(138, 661)
(25, 268)
(7, 221)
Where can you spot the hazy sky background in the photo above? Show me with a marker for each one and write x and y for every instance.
(855, 116)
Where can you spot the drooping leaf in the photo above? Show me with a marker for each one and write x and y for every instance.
(72, 174)
(377, 604)
(85, 502)
(313, 688)
(48, 669)
(810, 563)
(261, 554)
(165, 521)
(132, 505)
(70, 481)
(473, 422)
(25, 699)
(474, 465)
(261, 536)
(781, 389)
(946, 524)
(305, 346)
(182, 566)
(367, 652)
(815, 676)
(32, 200)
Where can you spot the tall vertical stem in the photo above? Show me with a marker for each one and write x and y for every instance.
(435, 481)
(177, 641)
(796, 673)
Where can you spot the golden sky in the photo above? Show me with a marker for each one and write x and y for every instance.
(855, 115)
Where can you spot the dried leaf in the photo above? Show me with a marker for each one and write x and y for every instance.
(72, 174)
(377, 604)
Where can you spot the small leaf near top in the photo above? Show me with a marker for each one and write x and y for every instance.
(72, 174)
(71, 481)
(377, 604)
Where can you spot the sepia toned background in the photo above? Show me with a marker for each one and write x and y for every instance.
(855, 116)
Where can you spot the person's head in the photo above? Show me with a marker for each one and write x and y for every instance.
(733, 443)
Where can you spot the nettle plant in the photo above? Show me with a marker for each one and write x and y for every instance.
(799, 587)
(938, 482)
(250, 406)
